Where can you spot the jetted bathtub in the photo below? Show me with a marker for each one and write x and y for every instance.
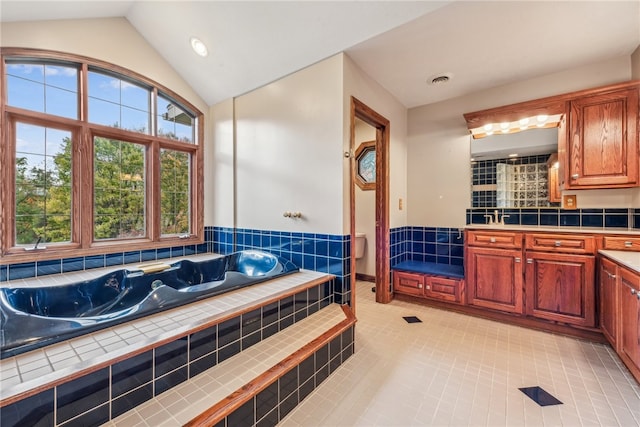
(32, 317)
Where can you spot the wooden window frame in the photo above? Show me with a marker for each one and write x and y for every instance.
(82, 241)
(362, 149)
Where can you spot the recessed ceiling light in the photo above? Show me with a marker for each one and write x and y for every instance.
(199, 47)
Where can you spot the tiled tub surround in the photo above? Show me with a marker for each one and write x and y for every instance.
(608, 218)
(90, 379)
(326, 253)
(439, 245)
(36, 316)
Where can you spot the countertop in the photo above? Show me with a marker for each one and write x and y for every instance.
(628, 259)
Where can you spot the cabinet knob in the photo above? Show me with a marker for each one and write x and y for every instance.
(575, 176)
(628, 244)
(492, 240)
(517, 259)
(558, 243)
(419, 286)
(529, 261)
(611, 276)
(428, 287)
(633, 292)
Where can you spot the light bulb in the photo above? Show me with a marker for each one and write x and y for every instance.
(488, 127)
(524, 122)
(199, 47)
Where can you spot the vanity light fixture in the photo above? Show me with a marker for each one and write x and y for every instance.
(542, 120)
(199, 47)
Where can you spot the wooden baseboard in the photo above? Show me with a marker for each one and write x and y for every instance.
(365, 277)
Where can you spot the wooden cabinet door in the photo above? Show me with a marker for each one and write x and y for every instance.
(602, 145)
(444, 289)
(630, 319)
(608, 287)
(408, 283)
(494, 278)
(561, 287)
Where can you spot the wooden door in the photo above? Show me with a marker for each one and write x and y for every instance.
(495, 278)
(602, 146)
(608, 288)
(561, 287)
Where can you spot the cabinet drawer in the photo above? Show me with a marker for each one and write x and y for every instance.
(408, 283)
(621, 243)
(495, 239)
(444, 289)
(566, 243)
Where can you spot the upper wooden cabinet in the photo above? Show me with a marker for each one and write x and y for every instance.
(602, 141)
(597, 133)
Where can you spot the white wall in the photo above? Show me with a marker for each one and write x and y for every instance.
(635, 64)
(218, 167)
(365, 205)
(438, 171)
(289, 152)
(364, 88)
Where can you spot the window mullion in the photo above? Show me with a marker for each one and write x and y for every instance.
(153, 190)
(83, 188)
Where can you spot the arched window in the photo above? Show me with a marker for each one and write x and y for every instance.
(94, 156)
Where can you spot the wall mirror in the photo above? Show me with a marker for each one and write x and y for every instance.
(515, 169)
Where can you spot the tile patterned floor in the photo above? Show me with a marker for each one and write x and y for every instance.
(457, 370)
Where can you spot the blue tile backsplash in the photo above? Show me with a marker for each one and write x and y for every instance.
(330, 253)
(439, 245)
(327, 253)
(609, 218)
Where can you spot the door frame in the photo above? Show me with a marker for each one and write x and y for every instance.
(383, 257)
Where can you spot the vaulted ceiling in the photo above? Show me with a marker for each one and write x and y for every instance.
(402, 45)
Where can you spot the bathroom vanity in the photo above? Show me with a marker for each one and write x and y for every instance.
(547, 279)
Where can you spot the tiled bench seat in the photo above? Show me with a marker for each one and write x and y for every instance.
(446, 270)
(91, 379)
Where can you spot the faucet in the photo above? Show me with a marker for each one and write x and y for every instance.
(496, 219)
(490, 220)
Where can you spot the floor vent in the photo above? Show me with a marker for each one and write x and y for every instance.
(412, 319)
(540, 396)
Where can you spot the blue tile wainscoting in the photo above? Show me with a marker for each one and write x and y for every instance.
(616, 219)
(101, 395)
(326, 253)
(439, 245)
(26, 270)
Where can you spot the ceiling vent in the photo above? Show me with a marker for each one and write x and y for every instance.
(440, 79)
